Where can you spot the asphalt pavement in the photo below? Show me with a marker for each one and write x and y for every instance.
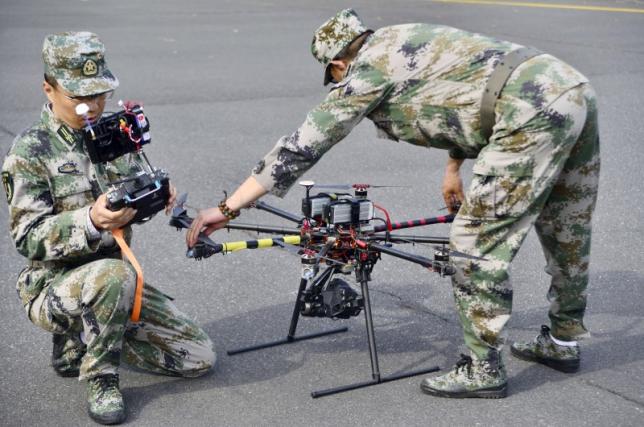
(221, 81)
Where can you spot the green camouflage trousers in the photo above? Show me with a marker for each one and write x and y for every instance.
(96, 298)
(545, 173)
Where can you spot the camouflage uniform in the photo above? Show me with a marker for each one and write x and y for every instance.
(74, 283)
(423, 84)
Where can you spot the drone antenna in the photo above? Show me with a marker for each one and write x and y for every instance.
(308, 185)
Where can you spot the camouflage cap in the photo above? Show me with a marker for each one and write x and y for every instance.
(77, 61)
(334, 35)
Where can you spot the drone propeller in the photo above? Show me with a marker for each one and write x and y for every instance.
(181, 200)
(180, 218)
(451, 252)
(457, 254)
(356, 186)
(456, 207)
(204, 248)
(295, 250)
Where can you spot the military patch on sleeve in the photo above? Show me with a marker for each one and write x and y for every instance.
(69, 168)
(7, 183)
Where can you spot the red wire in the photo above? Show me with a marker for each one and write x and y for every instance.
(389, 227)
(128, 106)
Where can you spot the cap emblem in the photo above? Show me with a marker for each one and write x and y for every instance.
(90, 68)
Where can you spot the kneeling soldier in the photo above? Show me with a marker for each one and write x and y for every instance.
(76, 284)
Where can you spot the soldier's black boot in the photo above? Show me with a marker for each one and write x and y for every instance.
(67, 354)
(547, 352)
(105, 403)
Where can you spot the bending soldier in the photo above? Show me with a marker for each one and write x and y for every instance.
(76, 284)
(536, 152)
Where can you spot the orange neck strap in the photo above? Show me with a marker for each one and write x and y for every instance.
(138, 293)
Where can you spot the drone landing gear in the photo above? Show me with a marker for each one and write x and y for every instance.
(291, 338)
(363, 273)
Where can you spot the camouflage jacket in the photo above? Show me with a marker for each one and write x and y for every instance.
(51, 184)
(421, 84)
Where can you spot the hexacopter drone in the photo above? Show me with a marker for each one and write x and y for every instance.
(337, 234)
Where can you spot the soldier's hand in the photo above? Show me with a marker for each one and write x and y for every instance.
(105, 219)
(171, 200)
(207, 221)
(453, 191)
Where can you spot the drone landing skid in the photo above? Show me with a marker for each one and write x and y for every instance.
(288, 340)
(291, 338)
(379, 380)
(363, 274)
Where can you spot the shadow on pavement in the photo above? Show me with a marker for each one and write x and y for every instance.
(426, 338)
(615, 297)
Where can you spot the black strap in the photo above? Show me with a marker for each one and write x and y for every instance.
(495, 84)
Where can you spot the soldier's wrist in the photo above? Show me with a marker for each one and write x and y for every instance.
(92, 231)
(227, 211)
(453, 165)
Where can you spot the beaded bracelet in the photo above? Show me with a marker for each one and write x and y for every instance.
(228, 213)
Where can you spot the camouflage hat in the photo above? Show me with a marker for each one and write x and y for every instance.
(77, 61)
(333, 36)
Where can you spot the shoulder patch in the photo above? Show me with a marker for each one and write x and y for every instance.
(66, 134)
(7, 183)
